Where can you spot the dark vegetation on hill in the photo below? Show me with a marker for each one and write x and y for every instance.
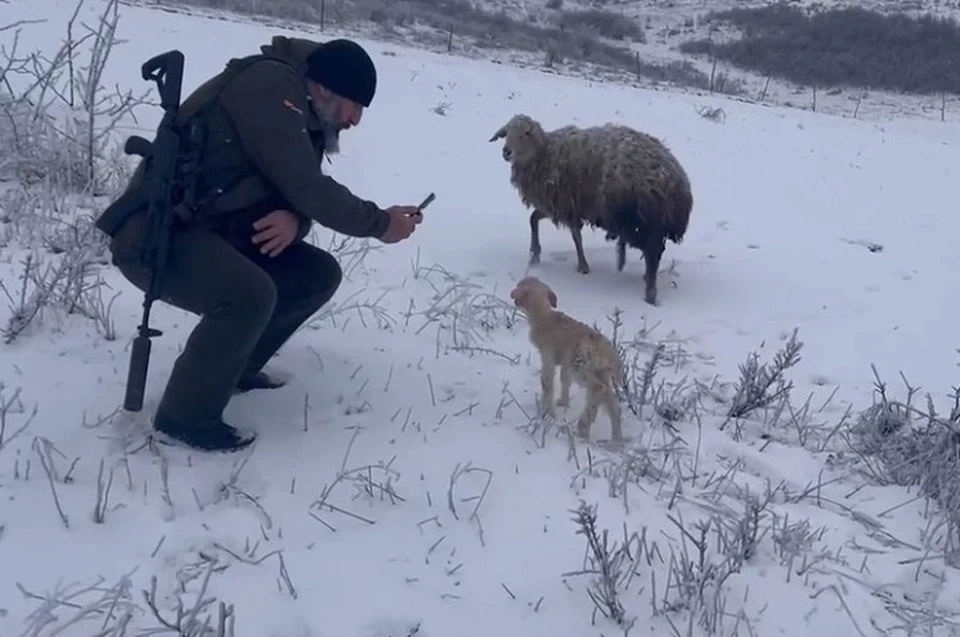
(839, 48)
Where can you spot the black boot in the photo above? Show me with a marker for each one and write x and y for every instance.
(258, 380)
(216, 436)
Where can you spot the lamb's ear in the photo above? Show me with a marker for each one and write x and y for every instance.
(500, 134)
(553, 299)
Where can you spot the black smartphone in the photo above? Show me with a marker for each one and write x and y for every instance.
(423, 204)
(426, 202)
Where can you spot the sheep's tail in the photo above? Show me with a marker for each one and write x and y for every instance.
(678, 217)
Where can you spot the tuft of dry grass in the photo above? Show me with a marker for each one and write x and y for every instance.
(58, 143)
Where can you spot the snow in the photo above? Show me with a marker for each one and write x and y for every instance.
(786, 204)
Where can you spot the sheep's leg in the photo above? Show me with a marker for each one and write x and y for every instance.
(566, 377)
(652, 253)
(621, 254)
(547, 372)
(582, 266)
(535, 218)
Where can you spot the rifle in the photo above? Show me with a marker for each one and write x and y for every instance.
(161, 158)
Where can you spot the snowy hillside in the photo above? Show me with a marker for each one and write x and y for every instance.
(830, 57)
(402, 481)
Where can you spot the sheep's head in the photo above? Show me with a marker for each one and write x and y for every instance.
(532, 294)
(523, 137)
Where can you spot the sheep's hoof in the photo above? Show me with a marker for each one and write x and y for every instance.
(563, 402)
(650, 296)
(534, 258)
(583, 268)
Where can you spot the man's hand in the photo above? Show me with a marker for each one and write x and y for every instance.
(403, 221)
(276, 231)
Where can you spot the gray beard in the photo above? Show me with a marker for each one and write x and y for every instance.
(330, 131)
(331, 140)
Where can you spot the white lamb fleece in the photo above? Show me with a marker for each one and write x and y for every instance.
(583, 354)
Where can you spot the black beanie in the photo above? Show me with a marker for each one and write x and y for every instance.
(343, 67)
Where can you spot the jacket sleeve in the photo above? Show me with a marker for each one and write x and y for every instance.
(304, 223)
(267, 105)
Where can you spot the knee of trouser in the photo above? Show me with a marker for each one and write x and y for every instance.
(335, 276)
(328, 277)
(258, 297)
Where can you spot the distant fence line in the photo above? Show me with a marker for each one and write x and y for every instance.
(849, 102)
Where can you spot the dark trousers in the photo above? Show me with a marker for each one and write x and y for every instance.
(249, 305)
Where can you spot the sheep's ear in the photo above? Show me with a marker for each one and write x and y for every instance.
(538, 135)
(553, 299)
(500, 134)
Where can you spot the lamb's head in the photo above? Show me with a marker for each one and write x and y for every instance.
(523, 137)
(533, 295)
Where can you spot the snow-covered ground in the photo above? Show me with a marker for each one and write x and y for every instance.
(402, 481)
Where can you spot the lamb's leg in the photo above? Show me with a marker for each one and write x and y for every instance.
(612, 406)
(547, 372)
(566, 376)
(621, 254)
(582, 266)
(535, 218)
(589, 411)
(652, 252)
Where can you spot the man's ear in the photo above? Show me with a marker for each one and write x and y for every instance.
(317, 92)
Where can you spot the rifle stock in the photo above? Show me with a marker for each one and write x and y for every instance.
(161, 157)
(159, 69)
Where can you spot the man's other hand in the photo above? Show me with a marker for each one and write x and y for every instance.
(403, 221)
(276, 231)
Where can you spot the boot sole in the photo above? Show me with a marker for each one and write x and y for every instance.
(169, 440)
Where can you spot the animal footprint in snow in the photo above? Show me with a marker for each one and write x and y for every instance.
(820, 380)
(394, 628)
(869, 245)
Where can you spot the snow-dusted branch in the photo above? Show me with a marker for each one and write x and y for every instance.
(59, 126)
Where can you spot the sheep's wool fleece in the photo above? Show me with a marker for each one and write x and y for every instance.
(591, 170)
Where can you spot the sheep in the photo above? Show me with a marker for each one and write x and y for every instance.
(610, 177)
(583, 354)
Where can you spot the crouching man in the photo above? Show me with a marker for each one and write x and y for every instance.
(237, 258)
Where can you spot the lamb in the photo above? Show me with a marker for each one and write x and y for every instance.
(610, 177)
(583, 354)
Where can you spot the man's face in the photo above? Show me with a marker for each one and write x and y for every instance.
(339, 112)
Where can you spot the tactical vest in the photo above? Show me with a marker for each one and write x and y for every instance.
(216, 191)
